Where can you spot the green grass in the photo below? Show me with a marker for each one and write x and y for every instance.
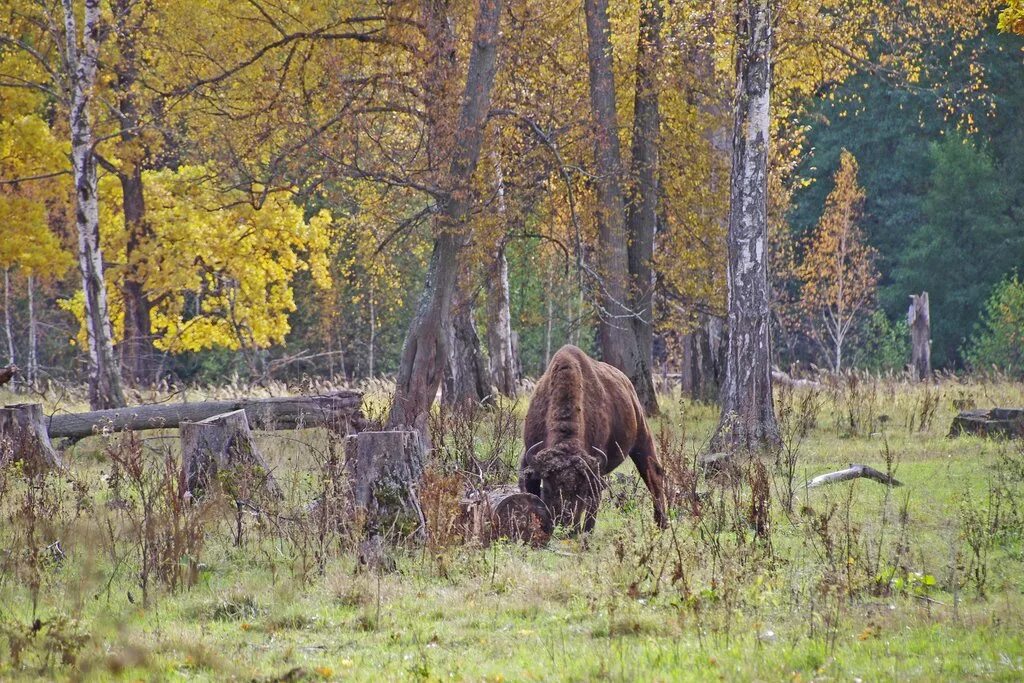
(886, 589)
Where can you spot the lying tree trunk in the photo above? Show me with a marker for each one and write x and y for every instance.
(384, 469)
(220, 450)
(1003, 422)
(339, 410)
(23, 437)
(853, 472)
(507, 512)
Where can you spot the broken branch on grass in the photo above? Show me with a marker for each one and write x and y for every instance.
(853, 472)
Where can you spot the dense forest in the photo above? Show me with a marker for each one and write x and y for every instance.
(271, 184)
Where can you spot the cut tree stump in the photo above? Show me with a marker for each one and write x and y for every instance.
(506, 512)
(384, 470)
(338, 410)
(221, 450)
(853, 472)
(23, 437)
(998, 422)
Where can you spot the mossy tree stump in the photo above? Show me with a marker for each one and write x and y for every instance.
(23, 437)
(221, 450)
(384, 470)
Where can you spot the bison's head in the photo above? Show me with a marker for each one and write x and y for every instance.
(570, 483)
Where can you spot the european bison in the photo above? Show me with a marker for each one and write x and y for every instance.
(584, 419)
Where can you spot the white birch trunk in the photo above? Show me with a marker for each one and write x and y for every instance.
(32, 375)
(499, 317)
(104, 378)
(7, 316)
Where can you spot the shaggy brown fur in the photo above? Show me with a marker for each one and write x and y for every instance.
(584, 419)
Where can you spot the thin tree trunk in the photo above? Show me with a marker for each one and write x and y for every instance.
(551, 316)
(642, 211)
(32, 372)
(748, 413)
(616, 332)
(424, 353)
(104, 378)
(7, 316)
(499, 315)
(920, 322)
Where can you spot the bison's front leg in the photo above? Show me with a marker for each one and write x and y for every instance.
(646, 460)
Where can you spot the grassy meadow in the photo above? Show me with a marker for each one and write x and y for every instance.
(105, 573)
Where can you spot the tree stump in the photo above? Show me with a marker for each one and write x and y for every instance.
(384, 470)
(996, 422)
(221, 449)
(919, 320)
(507, 512)
(23, 437)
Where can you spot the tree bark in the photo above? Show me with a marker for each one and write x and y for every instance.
(466, 380)
(383, 469)
(748, 413)
(500, 353)
(7, 317)
(220, 451)
(920, 322)
(703, 355)
(32, 371)
(137, 345)
(616, 328)
(23, 437)
(424, 353)
(104, 379)
(506, 512)
(642, 210)
(338, 411)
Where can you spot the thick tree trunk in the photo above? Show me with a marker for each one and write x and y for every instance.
(704, 359)
(616, 330)
(104, 378)
(138, 351)
(920, 322)
(220, 451)
(424, 353)
(748, 412)
(642, 213)
(338, 411)
(466, 380)
(23, 437)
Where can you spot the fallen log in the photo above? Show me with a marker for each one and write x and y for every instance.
(1001, 422)
(23, 437)
(853, 472)
(221, 450)
(506, 512)
(338, 410)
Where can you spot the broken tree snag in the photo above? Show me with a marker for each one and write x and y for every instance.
(919, 320)
(220, 451)
(384, 470)
(999, 422)
(339, 411)
(853, 472)
(23, 437)
(507, 512)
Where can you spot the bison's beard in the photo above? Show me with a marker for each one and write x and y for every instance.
(570, 484)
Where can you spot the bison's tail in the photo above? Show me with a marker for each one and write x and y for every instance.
(565, 402)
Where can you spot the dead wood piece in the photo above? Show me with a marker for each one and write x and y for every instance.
(507, 512)
(221, 450)
(853, 472)
(338, 410)
(7, 374)
(384, 470)
(781, 377)
(23, 437)
(993, 422)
